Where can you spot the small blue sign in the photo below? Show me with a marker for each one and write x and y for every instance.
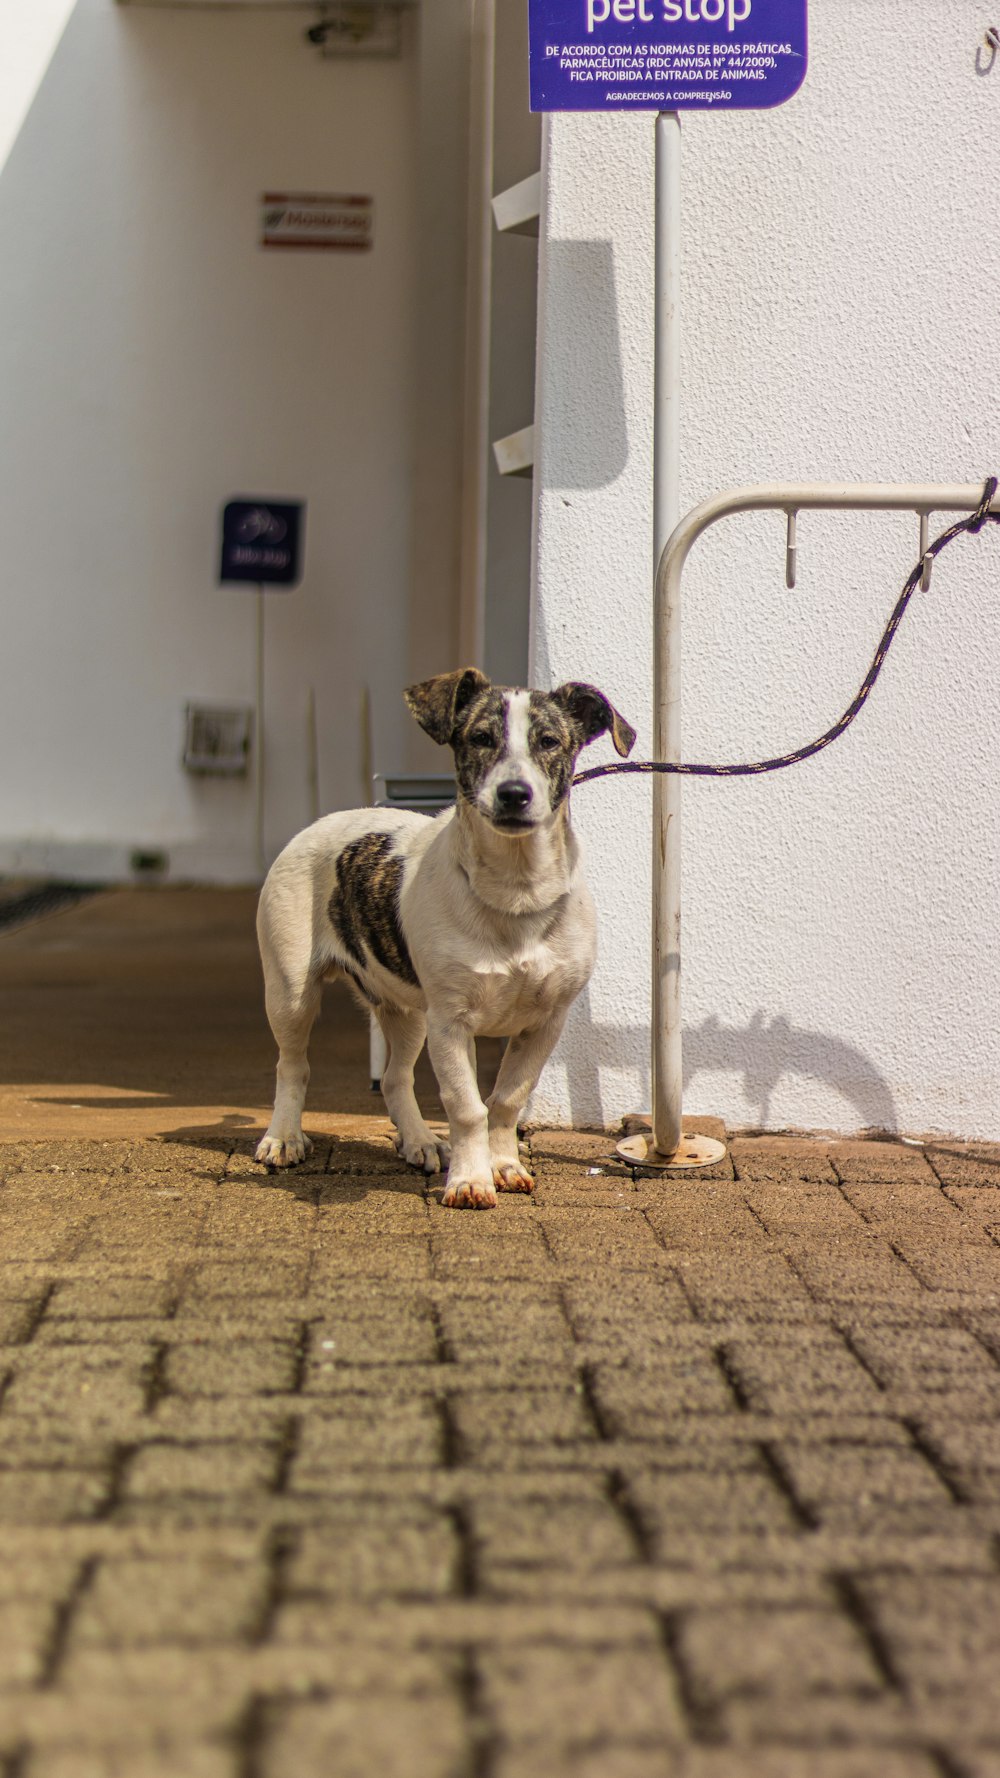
(665, 55)
(261, 541)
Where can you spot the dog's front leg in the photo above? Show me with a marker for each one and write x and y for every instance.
(523, 1061)
(453, 1056)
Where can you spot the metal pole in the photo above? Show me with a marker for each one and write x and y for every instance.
(666, 1024)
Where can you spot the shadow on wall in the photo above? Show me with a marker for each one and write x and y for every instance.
(589, 448)
(762, 1052)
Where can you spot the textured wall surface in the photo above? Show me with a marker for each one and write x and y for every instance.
(841, 931)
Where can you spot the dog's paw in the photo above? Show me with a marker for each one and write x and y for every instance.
(511, 1176)
(469, 1194)
(283, 1151)
(424, 1150)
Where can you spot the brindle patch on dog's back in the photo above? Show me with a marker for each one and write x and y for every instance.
(364, 907)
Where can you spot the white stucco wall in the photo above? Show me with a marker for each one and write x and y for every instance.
(841, 273)
(154, 361)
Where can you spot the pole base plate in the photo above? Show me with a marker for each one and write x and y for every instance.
(692, 1151)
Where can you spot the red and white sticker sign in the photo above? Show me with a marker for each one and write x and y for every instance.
(306, 219)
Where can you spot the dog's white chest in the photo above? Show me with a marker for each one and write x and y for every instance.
(519, 993)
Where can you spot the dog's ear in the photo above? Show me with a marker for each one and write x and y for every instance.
(437, 703)
(595, 715)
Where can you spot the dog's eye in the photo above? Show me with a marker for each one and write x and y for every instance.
(545, 743)
(481, 737)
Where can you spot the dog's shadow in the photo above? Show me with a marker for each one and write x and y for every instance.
(339, 1169)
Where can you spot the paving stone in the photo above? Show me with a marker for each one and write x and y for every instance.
(563, 1700)
(196, 1602)
(968, 1453)
(17, 1321)
(163, 1758)
(264, 1278)
(404, 1258)
(360, 1432)
(979, 1203)
(507, 1428)
(27, 1628)
(502, 1256)
(94, 1385)
(699, 1502)
(563, 1534)
(707, 1214)
(371, 1552)
(523, 1324)
(942, 1630)
(717, 1282)
(778, 1376)
(467, 1623)
(356, 1737)
(973, 1163)
(842, 1271)
(52, 1497)
(407, 1336)
(608, 1760)
(890, 1163)
(780, 1159)
(642, 1314)
(964, 1267)
(111, 1299)
(254, 1367)
(845, 1484)
(776, 1653)
(937, 1361)
(380, 1207)
(976, 1762)
(647, 1402)
(795, 1207)
(571, 1150)
(208, 1471)
(583, 1242)
(75, 1331)
(810, 1762)
(819, 1719)
(597, 1189)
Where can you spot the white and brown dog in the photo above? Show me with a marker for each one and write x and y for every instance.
(475, 923)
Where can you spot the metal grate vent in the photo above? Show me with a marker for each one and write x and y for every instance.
(217, 739)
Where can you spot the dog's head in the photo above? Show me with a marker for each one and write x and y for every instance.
(514, 750)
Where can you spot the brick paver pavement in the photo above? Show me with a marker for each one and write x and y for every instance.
(306, 1477)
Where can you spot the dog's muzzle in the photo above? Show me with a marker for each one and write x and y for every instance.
(512, 802)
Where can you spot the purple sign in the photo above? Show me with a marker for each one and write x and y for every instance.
(665, 55)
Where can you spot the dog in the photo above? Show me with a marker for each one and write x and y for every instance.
(476, 922)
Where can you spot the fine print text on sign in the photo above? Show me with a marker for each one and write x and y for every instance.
(304, 219)
(262, 541)
(666, 55)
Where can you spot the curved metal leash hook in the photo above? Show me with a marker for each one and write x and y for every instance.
(755, 768)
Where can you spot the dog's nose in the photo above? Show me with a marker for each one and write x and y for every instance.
(514, 796)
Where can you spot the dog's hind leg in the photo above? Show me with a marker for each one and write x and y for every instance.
(291, 1019)
(292, 992)
(404, 1035)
